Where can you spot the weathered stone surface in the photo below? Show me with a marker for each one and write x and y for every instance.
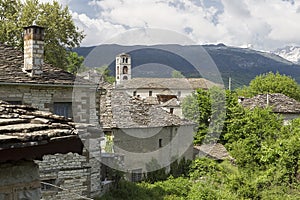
(278, 102)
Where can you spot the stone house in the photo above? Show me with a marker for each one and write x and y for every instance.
(143, 132)
(214, 151)
(27, 134)
(26, 79)
(289, 108)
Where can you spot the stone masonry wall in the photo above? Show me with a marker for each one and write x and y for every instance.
(80, 174)
(70, 172)
(44, 97)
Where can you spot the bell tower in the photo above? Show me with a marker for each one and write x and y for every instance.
(123, 68)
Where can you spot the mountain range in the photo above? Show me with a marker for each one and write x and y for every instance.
(207, 61)
(291, 53)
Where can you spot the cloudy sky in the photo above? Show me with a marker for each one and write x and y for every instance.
(260, 24)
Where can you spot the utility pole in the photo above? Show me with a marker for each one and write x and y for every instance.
(229, 84)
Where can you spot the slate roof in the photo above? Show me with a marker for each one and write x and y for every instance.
(279, 103)
(169, 83)
(11, 64)
(215, 151)
(119, 110)
(171, 103)
(22, 126)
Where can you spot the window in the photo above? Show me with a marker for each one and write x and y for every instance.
(178, 93)
(134, 93)
(125, 60)
(125, 78)
(63, 109)
(136, 175)
(125, 70)
(171, 110)
(160, 143)
(150, 93)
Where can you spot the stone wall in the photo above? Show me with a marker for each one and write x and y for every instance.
(44, 97)
(163, 144)
(19, 180)
(75, 173)
(69, 172)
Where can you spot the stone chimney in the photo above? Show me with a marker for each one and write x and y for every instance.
(33, 50)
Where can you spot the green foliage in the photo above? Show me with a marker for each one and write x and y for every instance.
(197, 107)
(203, 167)
(75, 63)
(177, 74)
(287, 152)
(155, 172)
(250, 135)
(60, 32)
(210, 110)
(272, 83)
(180, 168)
(105, 72)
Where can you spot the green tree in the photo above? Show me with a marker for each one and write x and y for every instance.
(9, 14)
(105, 72)
(208, 109)
(272, 83)
(287, 153)
(250, 135)
(177, 74)
(75, 63)
(197, 107)
(60, 32)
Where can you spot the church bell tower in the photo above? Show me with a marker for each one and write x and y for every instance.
(123, 68)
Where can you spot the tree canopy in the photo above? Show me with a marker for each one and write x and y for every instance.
(61, 34)
(272, 83)
(177, 74)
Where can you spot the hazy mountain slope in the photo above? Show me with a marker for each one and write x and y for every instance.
(242, 65)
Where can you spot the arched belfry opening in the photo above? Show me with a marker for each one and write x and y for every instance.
(123, 68)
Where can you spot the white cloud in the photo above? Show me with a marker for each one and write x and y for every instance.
(265, 24)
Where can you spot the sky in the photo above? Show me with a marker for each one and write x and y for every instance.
(258, 24)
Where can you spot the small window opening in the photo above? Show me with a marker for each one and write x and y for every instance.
(160, 143)
(125, 70)
(171, 110)
(179, 94)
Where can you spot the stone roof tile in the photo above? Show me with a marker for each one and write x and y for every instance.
(22, 125)
(215, 151)
(119, 110)
(278, 102)
(167, 83)
(11, 64)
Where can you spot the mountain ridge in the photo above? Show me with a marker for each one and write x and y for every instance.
(241, 64)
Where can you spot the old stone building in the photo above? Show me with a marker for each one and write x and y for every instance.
(289, 108)
(143, 132)
(168, 92)
(26, 79)
(27, 134)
